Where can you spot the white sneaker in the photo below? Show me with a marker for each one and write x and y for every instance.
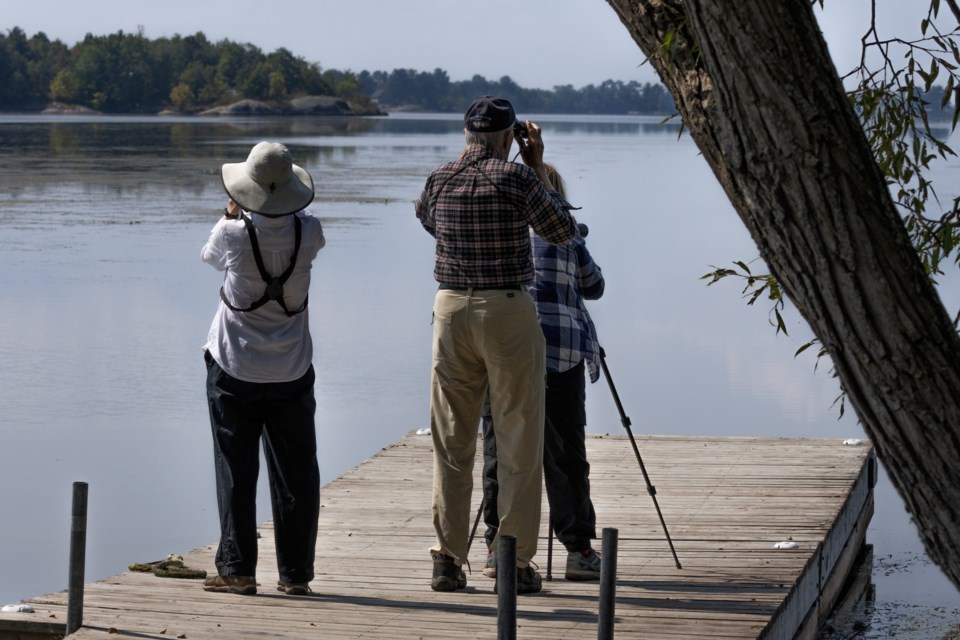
(490, 567)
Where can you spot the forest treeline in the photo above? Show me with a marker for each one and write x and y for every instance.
(434, 91)
(129, 73)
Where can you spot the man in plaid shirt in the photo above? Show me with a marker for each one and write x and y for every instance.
(486, 334)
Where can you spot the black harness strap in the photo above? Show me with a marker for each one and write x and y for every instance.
(274, 290)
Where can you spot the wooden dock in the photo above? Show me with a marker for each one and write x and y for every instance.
(726, 501)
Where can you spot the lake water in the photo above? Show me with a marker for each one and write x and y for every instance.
(107, 306)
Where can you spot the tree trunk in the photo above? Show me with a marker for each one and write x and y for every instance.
(755, 85)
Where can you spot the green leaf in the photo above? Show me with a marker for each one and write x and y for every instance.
(668, 41)
(781, 326)
(947, 93)
(934, 72)
(803, 348)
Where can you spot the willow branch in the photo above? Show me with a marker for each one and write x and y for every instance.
(955, 9)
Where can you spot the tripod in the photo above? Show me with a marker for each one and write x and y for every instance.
(625, 420)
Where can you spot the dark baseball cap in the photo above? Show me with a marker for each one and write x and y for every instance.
(489, 114)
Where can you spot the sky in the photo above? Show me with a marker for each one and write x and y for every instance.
(538, 43)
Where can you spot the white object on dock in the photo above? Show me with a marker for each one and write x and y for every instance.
(786, 544)
(17, 608)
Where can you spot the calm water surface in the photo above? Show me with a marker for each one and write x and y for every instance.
(107, 306)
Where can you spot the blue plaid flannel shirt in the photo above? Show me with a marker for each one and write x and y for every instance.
(566, 275)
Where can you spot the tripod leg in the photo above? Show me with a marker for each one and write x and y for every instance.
(550, 550)
(476, 523)
(626, 425)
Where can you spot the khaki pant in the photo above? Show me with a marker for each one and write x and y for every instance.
(487, 338)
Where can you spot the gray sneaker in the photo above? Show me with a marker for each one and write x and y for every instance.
(490, 567)
(583, 565)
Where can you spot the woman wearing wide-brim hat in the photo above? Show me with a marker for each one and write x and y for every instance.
(260, 376)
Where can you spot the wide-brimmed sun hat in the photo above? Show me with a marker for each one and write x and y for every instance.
(268, 182)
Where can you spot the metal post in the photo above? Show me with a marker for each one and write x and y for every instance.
(608, 584)
(78, 545)
(507, 588)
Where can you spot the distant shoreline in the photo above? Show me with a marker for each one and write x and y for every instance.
(299, 107)
(303, 106)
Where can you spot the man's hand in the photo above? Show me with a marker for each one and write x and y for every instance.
(532, 153)
(532, 148)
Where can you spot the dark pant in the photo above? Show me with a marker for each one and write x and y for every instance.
(566, 471)
(283, 414)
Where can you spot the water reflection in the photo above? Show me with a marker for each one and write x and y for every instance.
(856, 602)
(120, 154)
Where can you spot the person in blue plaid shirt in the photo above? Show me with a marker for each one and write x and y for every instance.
(565, 276)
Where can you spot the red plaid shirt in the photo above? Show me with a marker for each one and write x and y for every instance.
(480, 209)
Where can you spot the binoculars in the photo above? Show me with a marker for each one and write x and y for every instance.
(520, 130)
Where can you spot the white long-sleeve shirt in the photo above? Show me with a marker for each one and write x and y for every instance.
(263, 345)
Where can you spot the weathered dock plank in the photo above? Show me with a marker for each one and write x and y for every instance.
(726, 502)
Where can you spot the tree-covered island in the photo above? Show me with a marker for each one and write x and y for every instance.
(132, 74)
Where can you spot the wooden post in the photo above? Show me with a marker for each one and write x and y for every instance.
(608, 584)
(507, 587)
(78, 544)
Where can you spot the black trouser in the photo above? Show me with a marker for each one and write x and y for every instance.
(566, 471)
(283, 414)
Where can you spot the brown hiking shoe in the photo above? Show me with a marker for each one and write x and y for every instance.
(294, 588)
(244, 585)
(447, 574)
(528, 581)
